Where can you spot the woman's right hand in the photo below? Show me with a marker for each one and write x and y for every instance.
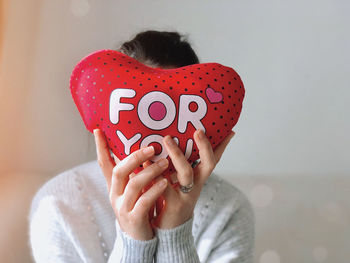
(131, 204)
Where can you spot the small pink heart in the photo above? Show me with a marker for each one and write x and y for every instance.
(136, 105)
(213, 96)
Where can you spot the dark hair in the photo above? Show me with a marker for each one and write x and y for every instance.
(160, 49)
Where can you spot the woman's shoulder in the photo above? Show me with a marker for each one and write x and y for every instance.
(66, 212)
(222, 192)
(67, 187)
(220, 199)
(224, 222)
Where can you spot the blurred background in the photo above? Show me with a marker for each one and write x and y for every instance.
(290, 154)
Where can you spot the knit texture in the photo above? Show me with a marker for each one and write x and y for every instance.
(71, 220)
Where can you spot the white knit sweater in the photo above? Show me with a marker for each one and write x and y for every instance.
(71, 220)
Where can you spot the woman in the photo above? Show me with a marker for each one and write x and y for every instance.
(102, 212)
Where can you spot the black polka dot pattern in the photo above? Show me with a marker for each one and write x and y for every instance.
(97, 75)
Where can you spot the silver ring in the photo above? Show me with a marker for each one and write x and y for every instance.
(187, 188)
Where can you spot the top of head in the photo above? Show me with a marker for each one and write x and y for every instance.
(160, 49)
(104, 57)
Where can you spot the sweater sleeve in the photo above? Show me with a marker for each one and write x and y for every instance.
(127, 249)
(176, 244)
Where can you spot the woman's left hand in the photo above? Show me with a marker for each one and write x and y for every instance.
(179, 206)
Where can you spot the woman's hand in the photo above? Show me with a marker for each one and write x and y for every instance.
(179, 206)
(132, 205)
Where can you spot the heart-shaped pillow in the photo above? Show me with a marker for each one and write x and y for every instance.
(136, 105)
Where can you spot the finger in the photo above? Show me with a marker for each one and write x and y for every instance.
(182, 166)
(206, 155)
(105, 161)
(146, 200)
(170, 195)
(219, 150)
(147, 163)
(126, 166)
(143, 179)
(151, 212)
(116, 159)
(159, 204)
(160, 209)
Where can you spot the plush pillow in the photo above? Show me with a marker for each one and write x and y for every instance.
(136, 105)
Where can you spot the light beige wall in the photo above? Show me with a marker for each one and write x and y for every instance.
(18, 40)
(18, 55)
(3, 21)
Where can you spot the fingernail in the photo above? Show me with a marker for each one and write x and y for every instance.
(201, 134)
(148, 150)
(170, 141)
(95, 131)
(162, 182)
(162, 162)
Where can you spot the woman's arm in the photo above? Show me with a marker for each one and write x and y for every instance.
(127, 249)
(176, 244)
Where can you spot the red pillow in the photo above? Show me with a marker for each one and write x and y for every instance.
(136, 105)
